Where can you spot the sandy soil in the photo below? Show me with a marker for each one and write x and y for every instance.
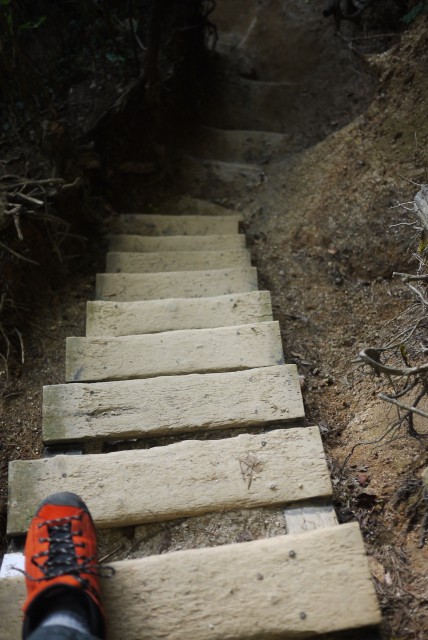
(317, 202)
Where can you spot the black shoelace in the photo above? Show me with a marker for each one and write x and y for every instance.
(61, 554)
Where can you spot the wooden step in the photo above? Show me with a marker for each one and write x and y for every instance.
(302, 518)
(176, 261)
(244, 103)
(156, 316)
(214, 173)
(151, 244)
(234, 145)
(180, 205)
(171, 405)
(284, 587)
(164, 225)
(129, 287)
(184, 479)
(174, 352)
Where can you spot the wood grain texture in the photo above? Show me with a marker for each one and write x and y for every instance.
(174, 352)
(171, 405)
(184, 479)
(136, 262)
(155, 316)
(286, 587)
(303, 518)
(150, 244)
(129, 287)
(164, 225)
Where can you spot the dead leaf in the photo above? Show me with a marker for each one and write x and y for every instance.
(377, 570)
(250, 465)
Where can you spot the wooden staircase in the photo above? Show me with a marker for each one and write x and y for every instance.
(180, 340)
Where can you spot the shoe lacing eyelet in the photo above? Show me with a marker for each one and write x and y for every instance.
(62, 558)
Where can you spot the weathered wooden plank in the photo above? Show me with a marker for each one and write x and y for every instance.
(129, 287)
(174, 352)
(176, 261)
(188, 478)
(284, 587)
(179, 205)
(303, 518)
(164, 225)
(170, 405)
(151, 244)
(155, 316)
(12, 597)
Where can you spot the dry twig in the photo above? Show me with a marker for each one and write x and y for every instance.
(408, 344)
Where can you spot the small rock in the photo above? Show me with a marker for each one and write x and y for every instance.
(363, 479)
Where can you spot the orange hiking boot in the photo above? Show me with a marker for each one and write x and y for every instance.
(61, 562)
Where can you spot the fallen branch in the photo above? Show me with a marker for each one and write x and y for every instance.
(24, 183)
(21, 196)
(21, 342)
(407, 385)
(369, 356)
(405, 407)
(405, 391)
(419, 294)
(421, 205)
(18, 255)
(15, 215)
(406, 277)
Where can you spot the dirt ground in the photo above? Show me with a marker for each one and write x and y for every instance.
(319, 202)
